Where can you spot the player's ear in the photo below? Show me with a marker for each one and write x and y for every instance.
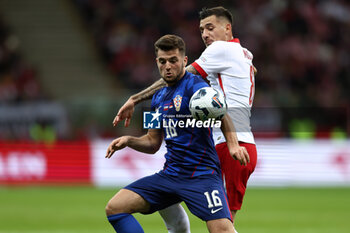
(228, 27)
(185, 61)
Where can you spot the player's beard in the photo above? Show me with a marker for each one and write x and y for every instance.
(173, 81)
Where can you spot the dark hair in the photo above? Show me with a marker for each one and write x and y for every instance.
(170, 42)
(218, 11)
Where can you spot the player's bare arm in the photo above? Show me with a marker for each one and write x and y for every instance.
(127, 110)
(192, 70)
(237, 152)
(148, 143)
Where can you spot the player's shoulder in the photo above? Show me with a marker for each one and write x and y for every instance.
(219, 49)
(158, 94)
(234, 49)
(189, 77)
(196, 79)
(218, 46)
(193, 81)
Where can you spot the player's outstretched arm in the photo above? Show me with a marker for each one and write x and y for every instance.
(148, 143)
(127, 110)
(237, 152)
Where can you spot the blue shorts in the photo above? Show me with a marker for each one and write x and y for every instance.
(204, 195)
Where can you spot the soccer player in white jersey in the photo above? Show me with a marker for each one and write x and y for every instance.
(228, 67)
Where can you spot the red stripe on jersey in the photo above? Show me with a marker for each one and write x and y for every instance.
(227, 204)
(199, 69)
(251, 95)
(220, 82)
(199, 162)
(189, 143)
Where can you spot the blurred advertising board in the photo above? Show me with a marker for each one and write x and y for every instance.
(281, 162)
(23, 163)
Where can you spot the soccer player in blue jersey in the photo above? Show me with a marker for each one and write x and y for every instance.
(191, 172)
(228, 67)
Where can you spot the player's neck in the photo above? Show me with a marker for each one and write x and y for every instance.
(229, 38)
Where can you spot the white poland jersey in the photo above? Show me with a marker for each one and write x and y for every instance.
(229, 68)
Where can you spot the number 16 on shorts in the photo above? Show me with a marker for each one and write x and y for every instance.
(214, 201)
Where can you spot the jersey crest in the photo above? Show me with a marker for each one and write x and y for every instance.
(177, 102)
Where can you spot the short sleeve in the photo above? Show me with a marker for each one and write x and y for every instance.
(212, 60)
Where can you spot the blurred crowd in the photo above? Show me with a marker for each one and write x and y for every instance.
(301, 48)
(19, 90)
(18, 79)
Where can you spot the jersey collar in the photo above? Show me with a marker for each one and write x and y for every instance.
(236, 40)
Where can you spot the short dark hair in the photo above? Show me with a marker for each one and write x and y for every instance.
(218, 11)
(170, 42)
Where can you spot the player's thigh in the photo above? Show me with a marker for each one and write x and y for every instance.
(158, 190)
(205, 197)
(227, 161)
(236, 175)
(222, 225)
(127, 201)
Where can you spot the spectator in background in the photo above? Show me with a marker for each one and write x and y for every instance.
(18, 80)
(300, 45)
(19, 85)
(297, 39)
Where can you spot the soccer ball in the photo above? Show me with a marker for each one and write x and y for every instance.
(208, 103)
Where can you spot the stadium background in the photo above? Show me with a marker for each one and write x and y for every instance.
(67, 66)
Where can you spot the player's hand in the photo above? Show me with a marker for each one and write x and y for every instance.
(116, 144)
(255, 70)
(240, 153)
(125, 113)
